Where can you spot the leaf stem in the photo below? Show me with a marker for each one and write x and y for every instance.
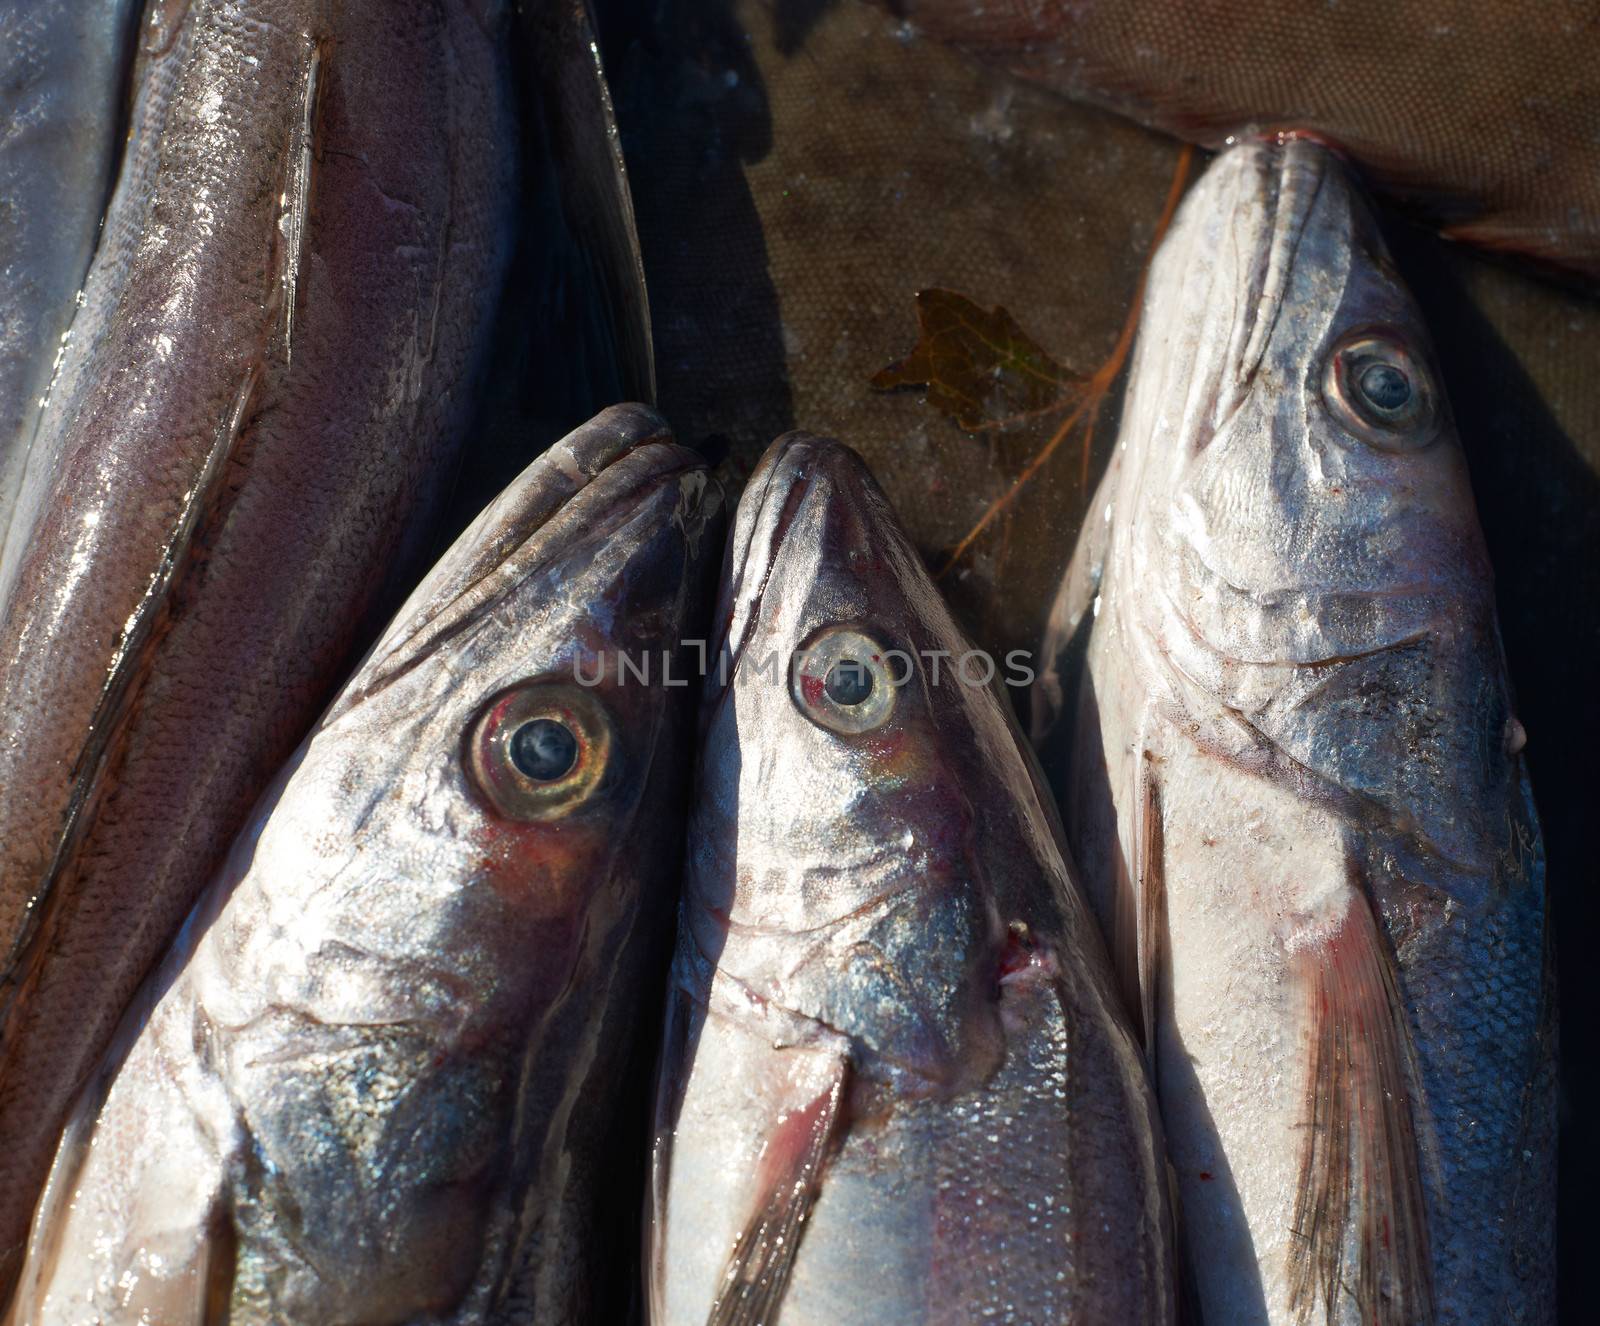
(1098, 384)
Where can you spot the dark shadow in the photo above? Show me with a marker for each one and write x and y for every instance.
(795, 19)
(693, 114)
(566, 340)
(1539, 502)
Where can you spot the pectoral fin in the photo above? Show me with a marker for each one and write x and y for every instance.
(1073, 602)
(1360, 1229)
(788, 1178)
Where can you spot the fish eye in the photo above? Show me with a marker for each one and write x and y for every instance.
(539, 750)
(1381, 393)
(849, 682)
(1384, 387)
(544, 749)
(842, 680)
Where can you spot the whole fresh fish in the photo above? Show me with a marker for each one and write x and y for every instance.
(1296, 789)
(896, 1083)
(1512, 163)
(261, 403)
(62, 80)
(381, 1077)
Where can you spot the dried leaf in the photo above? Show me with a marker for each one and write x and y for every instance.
(980, 368)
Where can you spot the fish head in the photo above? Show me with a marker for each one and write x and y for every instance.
(860, 827)
(1303, 541)
(1300, 469)
(492, 726)
(471, 865)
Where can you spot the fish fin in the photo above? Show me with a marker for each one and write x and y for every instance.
(295, 195)
(1360, 1221)
(203, 1298)
(1150, 885)
(788, 1177)
(564, 52)
(1079, 587)
(37, 1264)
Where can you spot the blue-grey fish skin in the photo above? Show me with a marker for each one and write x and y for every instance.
(383, 1075)
(1297, 786)
(62, 84)
(896, 1083)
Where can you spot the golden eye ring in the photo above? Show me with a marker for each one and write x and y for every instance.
(539, 750)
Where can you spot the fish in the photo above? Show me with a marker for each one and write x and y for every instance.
(381, 1076)
(1293, 777)
(61, 79)
(1512, 168)
(260, 408)
(896, 1081)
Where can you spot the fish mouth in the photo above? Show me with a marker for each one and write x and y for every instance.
(1237, 239)
(798, 470)
(1291, 175)
(1301, 626)
(590, 481)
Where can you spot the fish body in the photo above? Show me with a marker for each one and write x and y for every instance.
(61, 84)
(1512, 167)
(1295, 785)
(896, 1083)
(380, 1078)
(261, 403)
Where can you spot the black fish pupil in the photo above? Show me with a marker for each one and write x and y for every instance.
(849, 682)
(1386, 387)
(544, 749)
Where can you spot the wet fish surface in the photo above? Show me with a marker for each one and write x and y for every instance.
(896, 1083)
(380, 1078)
(1296, 786)
(1514, 164)
(262, 401)
(61, 85)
